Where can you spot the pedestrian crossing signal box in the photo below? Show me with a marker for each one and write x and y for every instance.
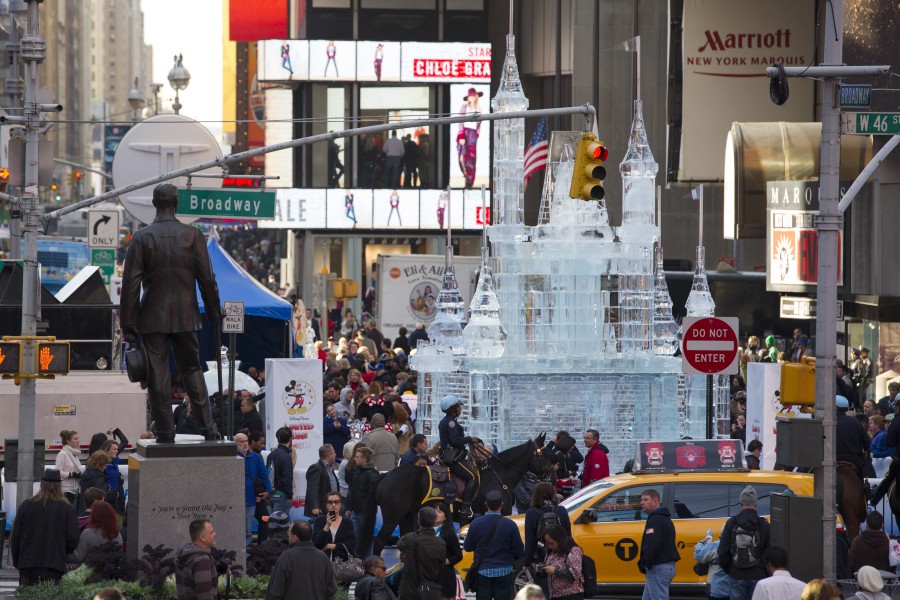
(10, 357)
(52, 358)
(798, 384)
(342, 289)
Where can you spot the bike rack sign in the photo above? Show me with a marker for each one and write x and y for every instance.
(234, 317)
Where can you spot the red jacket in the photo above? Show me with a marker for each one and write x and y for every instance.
(596, 466)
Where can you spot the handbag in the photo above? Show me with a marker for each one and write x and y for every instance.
(701, 568)
(347, 570)
(471, 580)
(426, 590)
(894, 553)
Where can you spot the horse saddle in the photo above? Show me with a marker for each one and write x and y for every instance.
(443, 485)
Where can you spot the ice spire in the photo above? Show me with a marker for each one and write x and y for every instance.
(450, 308)
(700, 302)
(665, 330)
(484, 335)
(509, 141)
(638, 170)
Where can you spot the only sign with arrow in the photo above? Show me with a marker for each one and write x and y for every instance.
(103, 228)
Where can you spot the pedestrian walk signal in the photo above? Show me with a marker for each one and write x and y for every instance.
(52, 358)
(589, 173)
(10, 357)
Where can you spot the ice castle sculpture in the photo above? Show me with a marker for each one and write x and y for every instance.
(571, 327)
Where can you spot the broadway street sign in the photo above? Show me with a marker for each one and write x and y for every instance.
(226, 204)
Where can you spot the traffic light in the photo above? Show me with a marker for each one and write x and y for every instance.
(52, 358)
(589, 173)
(4, 175)
(70, 178)
(342, 289)
(54, 187)
(77, 175)
(10, 357)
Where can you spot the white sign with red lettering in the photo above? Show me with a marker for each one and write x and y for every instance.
(709, 346)
(466, 63)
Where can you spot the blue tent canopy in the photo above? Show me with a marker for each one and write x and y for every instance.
(236, 284)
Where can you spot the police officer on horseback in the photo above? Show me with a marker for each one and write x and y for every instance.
(453, 451)
(851, 440)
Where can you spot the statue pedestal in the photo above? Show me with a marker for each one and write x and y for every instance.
(170, 485)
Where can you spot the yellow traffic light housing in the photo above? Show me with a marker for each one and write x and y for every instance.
(798, 383)
(52, 358)
(589, 173)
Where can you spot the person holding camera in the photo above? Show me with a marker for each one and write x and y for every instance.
(195, 570)
(69, 465)
(543, 514)
(562, 565)
(332, 533)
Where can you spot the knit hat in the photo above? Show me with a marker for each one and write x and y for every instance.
(748, 496)
(770, 341)
(278, 520)
(869, 579)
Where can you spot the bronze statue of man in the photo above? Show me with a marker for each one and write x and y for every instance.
(167, 258)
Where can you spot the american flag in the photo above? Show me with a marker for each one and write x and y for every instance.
(536, 152)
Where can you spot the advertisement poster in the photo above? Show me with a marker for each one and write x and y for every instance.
(763, 383)
(349, 209)
(332, 61)
(297, 209)
(410, 287)
(283, 60)
(470, 143)
(690, 455)
(378, 61)
(726, 47)
(294, 400)
(438, 212)
(446, 61)
(793, 259)
(395, 209)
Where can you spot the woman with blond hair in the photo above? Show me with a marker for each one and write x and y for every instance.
(69, 465)
(819, 589)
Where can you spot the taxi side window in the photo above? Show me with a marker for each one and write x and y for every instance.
(624, 504)
(700, 501)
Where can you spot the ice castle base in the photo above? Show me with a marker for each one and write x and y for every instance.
(510, 408)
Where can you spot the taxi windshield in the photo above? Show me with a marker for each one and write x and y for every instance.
(584, 495)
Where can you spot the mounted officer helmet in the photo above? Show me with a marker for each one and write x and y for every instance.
(449, 402)
(841, 402)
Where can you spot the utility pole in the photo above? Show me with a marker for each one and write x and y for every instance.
(32, 52)
(13, 86)
(829, 222)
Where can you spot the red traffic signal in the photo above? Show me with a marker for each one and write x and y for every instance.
(4, 174)
(589, 173)
(52, 358)
(77, 174)
(10, 357)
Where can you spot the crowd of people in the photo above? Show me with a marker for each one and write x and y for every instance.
(255, 251)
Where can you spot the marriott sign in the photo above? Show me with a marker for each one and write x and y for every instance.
(715, 41)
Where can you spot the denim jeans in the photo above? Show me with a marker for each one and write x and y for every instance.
(742, 589)
(495, 588)
(658, 579)
(250, 513)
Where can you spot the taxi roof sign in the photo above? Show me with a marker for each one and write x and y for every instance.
(690, 456)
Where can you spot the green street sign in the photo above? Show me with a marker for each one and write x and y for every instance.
(869, 123)
(226, 204)
(856, 95)
(105, 258)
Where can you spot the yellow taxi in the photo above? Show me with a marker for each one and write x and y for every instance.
(607, 521)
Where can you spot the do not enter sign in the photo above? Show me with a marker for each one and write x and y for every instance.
(709, 345)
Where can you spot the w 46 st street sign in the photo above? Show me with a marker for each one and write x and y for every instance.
(866, 123)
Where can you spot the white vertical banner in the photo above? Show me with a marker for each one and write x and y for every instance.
(294, 400)
(763, 381)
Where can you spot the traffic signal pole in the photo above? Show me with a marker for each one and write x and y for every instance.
(32, 53)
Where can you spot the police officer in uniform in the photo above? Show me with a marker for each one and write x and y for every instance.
(851, 440)
(453, 451)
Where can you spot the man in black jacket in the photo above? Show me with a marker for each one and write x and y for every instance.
(302, 571)
(320, 479)
(281, 457)
(749, 534)
(372, 585)
(362, 480)
(423, 555)
(658, 551)
(45, 531)
(251, 421)
(166, 260)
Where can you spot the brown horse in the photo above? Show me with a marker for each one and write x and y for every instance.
(851, 498)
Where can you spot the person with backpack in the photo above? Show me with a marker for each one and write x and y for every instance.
(744, 539)
(658, 551)
(562, 565)
(543, 515)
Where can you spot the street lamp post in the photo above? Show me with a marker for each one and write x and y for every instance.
(179, 78)
(136, 101)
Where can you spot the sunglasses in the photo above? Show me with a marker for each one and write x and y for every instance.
(333, 502)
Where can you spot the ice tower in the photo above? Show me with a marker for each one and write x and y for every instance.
(588, 319)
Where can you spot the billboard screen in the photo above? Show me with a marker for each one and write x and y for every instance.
(470, 143)
(378, 61)
(424, 61)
